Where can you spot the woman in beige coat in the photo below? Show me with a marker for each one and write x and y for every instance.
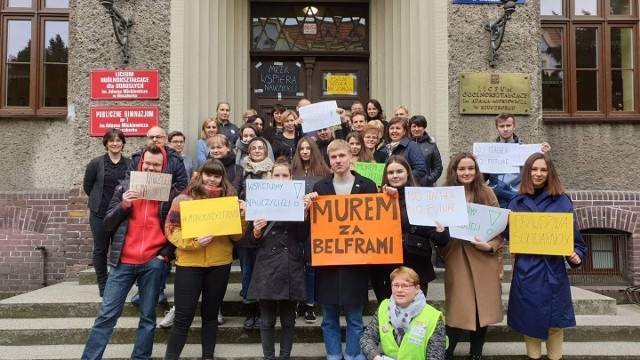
(472, 284)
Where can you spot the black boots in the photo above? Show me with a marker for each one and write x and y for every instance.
(252, 321)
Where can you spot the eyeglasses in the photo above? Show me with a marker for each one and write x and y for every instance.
(154, 137)
(401, 286)
(177, 142)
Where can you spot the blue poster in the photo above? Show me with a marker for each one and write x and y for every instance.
(484, 2)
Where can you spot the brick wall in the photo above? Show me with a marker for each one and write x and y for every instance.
(54, 220)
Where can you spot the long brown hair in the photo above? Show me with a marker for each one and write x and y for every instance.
(317, 165)
(364, 155)
(553, 185)
(399, 159)
(480, 192)
(210, 167)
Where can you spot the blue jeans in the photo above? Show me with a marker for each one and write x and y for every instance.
(247, 260)
(331, 331)
(121, 279)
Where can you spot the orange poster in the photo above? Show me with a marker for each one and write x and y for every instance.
(356, 229)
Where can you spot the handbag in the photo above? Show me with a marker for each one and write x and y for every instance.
(416, 244)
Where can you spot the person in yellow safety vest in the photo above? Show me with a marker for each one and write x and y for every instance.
(405, 327)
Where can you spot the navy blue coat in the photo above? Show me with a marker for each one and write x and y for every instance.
(540, 295)
(413, 154)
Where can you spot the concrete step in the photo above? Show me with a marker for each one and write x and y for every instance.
(68, 299)
(316, 351)
(87, 277)
(625, 326)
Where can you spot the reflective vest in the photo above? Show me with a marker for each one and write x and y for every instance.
(414, 342)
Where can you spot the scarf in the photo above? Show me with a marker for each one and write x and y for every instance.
(260, 168)
(241, 151)
(400, 317)
(392, 146)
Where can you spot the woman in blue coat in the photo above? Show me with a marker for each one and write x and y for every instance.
(540, 304)
(400, 144)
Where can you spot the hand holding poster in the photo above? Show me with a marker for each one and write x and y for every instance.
(319, 116)
(541, 233)
(356, 229)
(485, 222)
(426, 205)
(503, 158)
(217, 216)
(275, 200)
(372, 171)
(151, 185)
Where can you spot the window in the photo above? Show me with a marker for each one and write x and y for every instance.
(606, 261)
(589, 59)
(35, 57)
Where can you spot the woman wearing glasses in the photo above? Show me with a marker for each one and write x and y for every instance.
(405, 326)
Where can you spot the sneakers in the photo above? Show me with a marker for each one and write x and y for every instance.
(167, 321)
(251, 321)
(309, 315)
(220, 318)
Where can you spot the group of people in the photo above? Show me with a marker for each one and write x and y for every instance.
(275, 256)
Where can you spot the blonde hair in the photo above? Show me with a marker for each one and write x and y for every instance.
(207, 121)
(406, 272)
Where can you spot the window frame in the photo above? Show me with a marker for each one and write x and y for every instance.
(38, 15)
(604, 23)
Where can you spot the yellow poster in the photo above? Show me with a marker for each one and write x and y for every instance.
(218, 216)
(541, 233)
(340, 84)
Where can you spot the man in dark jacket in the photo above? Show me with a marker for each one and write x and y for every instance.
(342, 285)
(418, 129)
(139, 253)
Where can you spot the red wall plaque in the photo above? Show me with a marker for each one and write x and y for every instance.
(125, 84)
(132, 120)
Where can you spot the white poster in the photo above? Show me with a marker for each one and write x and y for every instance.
(503, 158)
(275, 200)
(446, 205)
(485, 222)
(319, 116)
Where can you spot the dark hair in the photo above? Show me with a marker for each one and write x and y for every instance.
(364, 155)
(553, 185)
(152, 149)
(317, 165)
(378, 106)
(418, 120)
(403, 122)
(210, 167)
(481, 193)
(399, 159)
(110, 134)
(251, 119)
(282, 161)
(174, 134)
(248, 125)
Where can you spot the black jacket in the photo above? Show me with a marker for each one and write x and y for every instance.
(93, 183)
(432, 158)
(343, 284)
(175, 167)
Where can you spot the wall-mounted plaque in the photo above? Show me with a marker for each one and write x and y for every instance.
(495, 93)
(125, 84)
(132, 120)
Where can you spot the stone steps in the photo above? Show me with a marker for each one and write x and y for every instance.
(69, 299)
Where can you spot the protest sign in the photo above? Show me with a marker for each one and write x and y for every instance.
(309, 182)
(503, 158)
(217, 216)
(356, 229)
(151, 185)
(372, 171)
(319, 116)
(485, 222)
(541, 233)
(275, 200)
(426, 205)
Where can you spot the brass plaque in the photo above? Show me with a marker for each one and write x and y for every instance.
(495, 93)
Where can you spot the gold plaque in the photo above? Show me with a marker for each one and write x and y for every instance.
(495, 93)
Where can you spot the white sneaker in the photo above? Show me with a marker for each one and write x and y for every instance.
(220, 318)
(167, 321)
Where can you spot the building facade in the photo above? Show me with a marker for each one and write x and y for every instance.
(578, 55)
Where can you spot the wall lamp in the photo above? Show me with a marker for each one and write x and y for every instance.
(497, 28)
(121, 26)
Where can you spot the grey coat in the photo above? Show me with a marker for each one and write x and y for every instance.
(278, 273)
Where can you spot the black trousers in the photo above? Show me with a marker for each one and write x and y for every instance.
(268, 312)
(211, 282)
(476, 338)
(101, 242)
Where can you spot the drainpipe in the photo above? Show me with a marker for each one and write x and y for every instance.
(43, 253)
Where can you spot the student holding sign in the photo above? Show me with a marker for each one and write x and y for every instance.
(343, 286)
(540, 304)
(471, 282)
(278, 275)
(398, 175)
(203, 264)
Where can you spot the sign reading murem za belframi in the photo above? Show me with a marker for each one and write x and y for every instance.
(125, 84)
(278, 79)
(484, 2)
